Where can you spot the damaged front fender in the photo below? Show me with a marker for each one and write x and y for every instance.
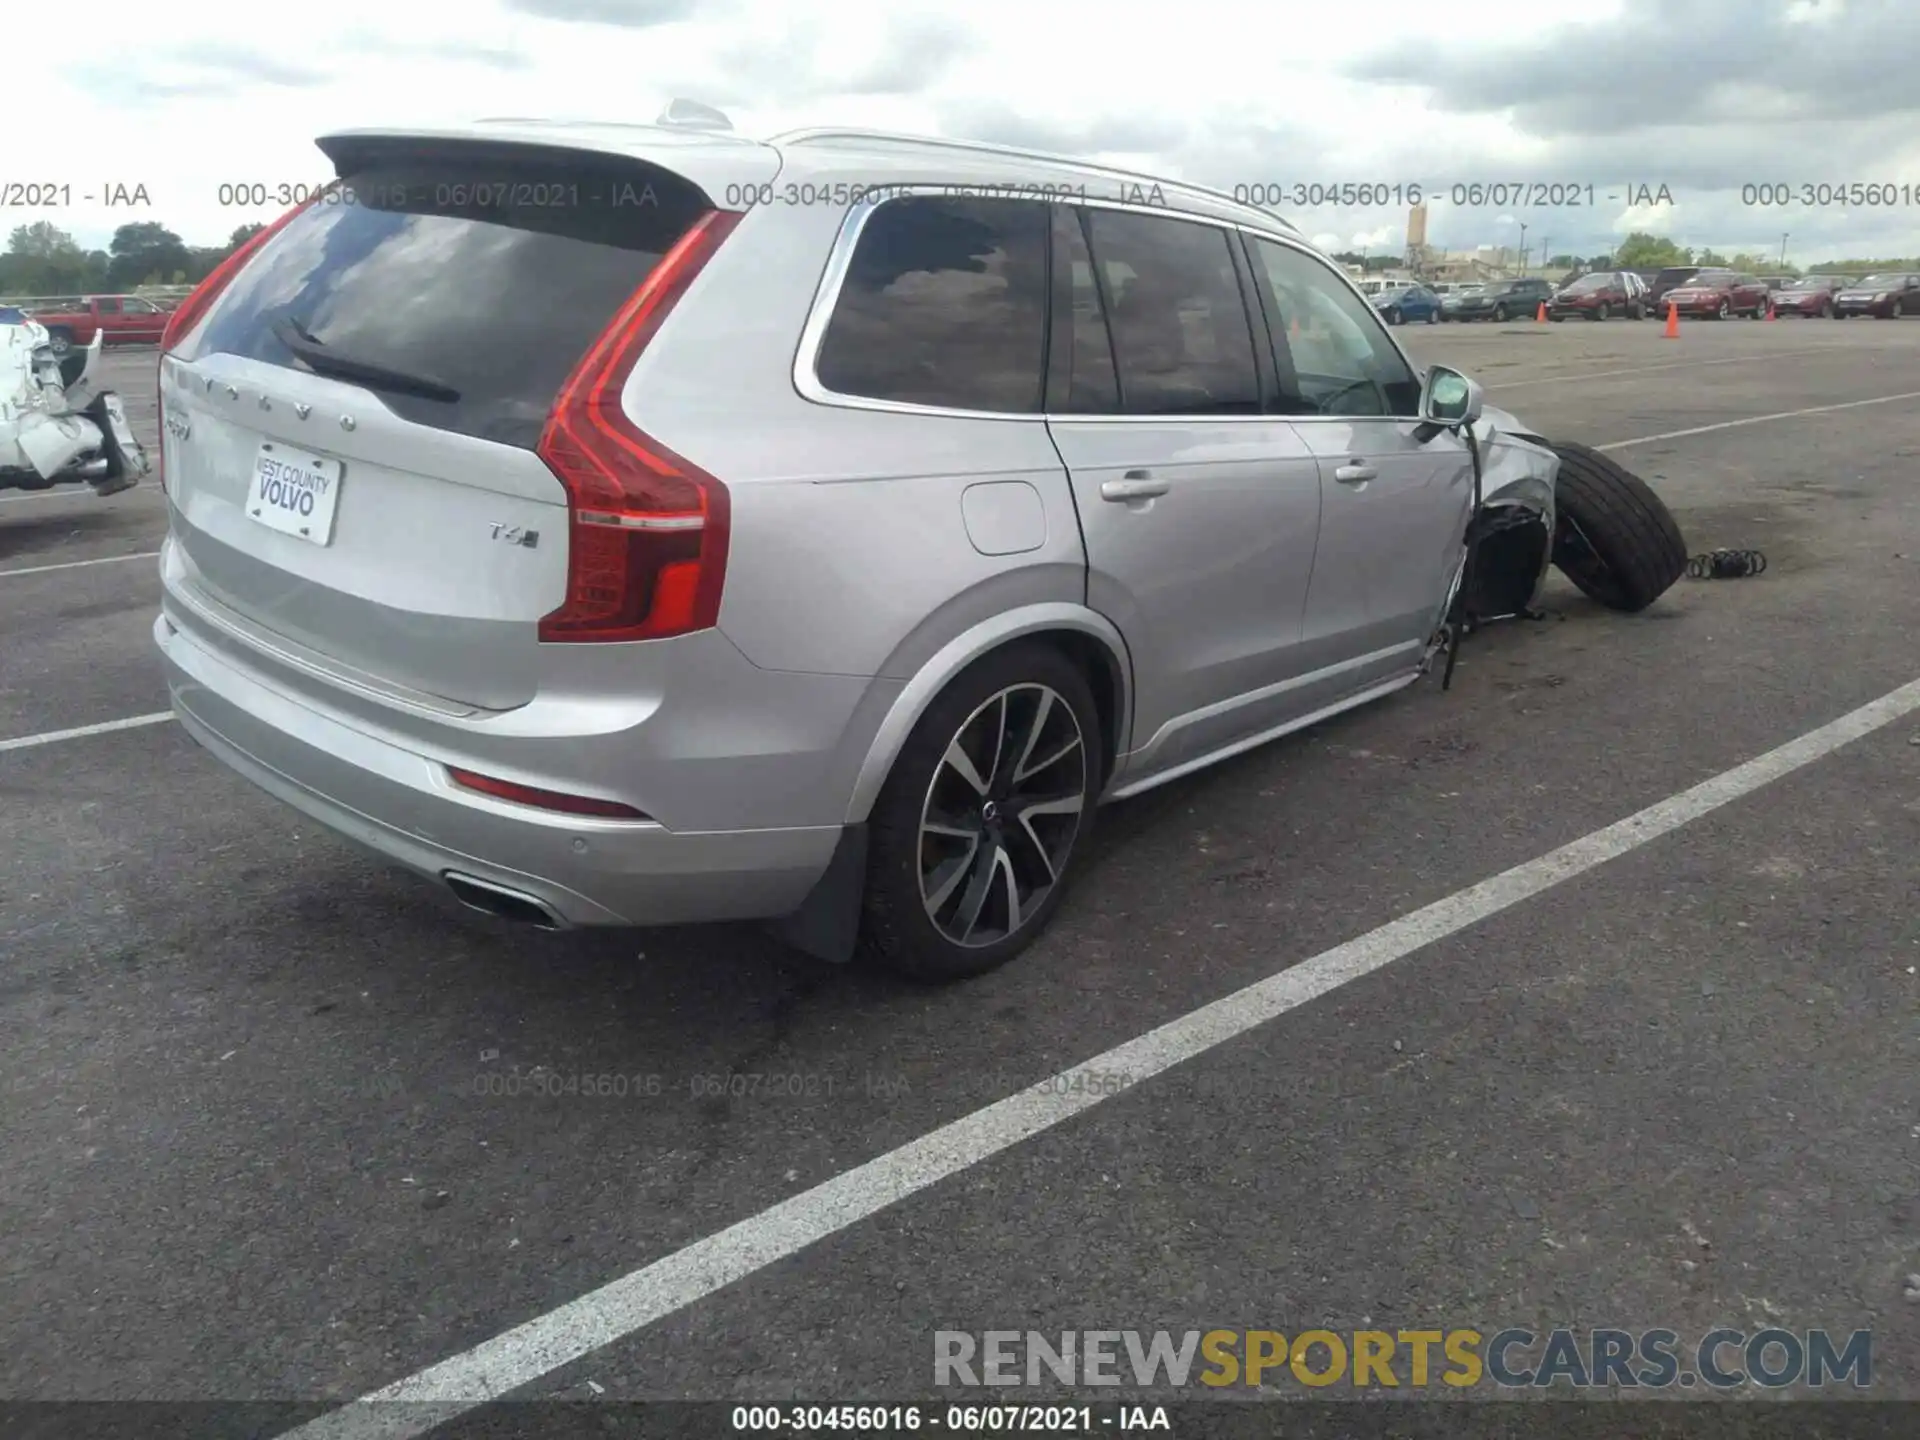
(1515, 526)
(56, 426)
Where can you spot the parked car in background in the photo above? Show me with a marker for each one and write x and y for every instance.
(1400, 303)
(1450, 304)
(1810, 295)
(56, 424)
(1600, 296)
(1668, 279)
(1719, 295)
(72, 321)
(1882, 296)
(1503, 300)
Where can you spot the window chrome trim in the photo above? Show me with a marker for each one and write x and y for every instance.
(826, 297)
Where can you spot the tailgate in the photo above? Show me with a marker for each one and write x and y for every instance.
(349, 430)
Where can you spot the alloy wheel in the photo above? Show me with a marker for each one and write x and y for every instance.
(1001, 815)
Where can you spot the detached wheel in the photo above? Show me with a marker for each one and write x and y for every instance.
(60, 341)
(1614, 538)
(975, 830)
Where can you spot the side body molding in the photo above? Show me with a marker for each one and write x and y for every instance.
(961, 651)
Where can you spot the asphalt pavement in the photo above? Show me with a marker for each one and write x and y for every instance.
(258, 1135)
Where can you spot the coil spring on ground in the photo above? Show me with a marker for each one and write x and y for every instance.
(1726, 565)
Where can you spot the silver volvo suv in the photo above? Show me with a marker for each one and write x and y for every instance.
(633, 525)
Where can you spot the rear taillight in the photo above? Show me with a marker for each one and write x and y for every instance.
(647, 532)
(189, 311)
(543, 799)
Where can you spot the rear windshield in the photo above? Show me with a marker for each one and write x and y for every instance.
(1588, 283)
(1675, 276)
(489, 275)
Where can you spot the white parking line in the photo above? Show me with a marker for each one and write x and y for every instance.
(542, 1345)
(1758, 420)
(76, 564)
(105, 727)
(1679, 365)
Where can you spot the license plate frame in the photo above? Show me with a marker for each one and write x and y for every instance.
(295, 492)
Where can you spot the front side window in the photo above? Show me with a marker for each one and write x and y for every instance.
(944, 304)
(1343, 361)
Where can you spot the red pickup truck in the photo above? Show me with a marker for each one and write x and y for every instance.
(71, 320)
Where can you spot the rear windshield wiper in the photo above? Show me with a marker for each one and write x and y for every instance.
(323, 357)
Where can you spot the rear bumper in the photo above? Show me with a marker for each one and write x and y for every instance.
(404, 807)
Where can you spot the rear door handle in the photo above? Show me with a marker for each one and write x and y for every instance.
(1358, 473)
(1137, 485)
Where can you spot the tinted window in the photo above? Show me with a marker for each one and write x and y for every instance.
(1674, 275)
(1082, 378)
(498, 296)
(137, 306)
(944, 303)
(1181, 336)
(1342, 361)
(107, 305)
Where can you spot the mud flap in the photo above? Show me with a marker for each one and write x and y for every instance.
(827, 924)
(126, 458)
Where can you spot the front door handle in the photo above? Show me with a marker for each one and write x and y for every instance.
(1358, 473)
(1138, 485)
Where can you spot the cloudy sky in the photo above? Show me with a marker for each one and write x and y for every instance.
(1701, 96)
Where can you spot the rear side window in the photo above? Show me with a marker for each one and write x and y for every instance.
(944, 303)
(1182, 338)
(490, 273)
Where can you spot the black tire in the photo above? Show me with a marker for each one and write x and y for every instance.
(1616, 539)
(59, 340)
(1433, 316)
(1725, 312)
(1600, 311)
(1393, 315)
(897, 931)
(1826, 311)
(1500, 315)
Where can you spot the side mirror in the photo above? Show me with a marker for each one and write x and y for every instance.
(1449, 398)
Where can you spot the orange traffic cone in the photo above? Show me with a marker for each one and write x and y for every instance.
(1673, 322)
(1770, 314)
(1540, 315)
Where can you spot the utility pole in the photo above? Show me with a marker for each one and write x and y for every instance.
(1783, 252)
(1523, 248)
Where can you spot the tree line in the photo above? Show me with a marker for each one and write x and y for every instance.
(43, 259)
(1643, 251)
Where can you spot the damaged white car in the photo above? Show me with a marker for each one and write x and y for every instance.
(55, 426)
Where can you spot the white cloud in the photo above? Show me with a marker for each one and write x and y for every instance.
(195, 104)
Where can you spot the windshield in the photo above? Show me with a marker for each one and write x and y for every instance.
(1675, 276)
(1809, 282)
(1879, 282)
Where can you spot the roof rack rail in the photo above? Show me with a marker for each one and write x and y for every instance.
(982, 147)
